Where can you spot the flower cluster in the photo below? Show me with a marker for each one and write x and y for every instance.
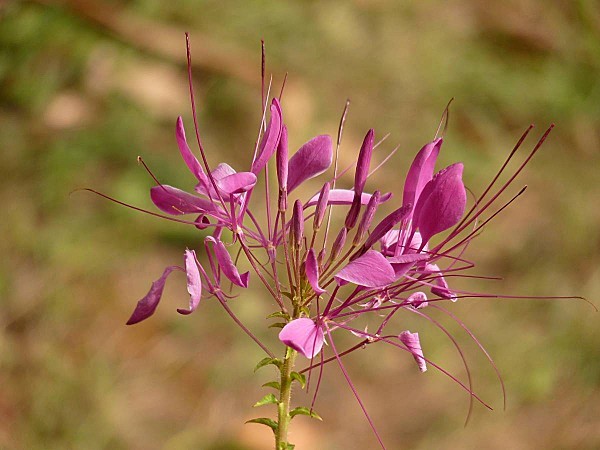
(322, 277)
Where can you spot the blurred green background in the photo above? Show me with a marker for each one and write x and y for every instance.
(87, 85)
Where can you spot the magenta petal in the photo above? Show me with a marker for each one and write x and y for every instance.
(442, 202)
(237, 183)
(408, 258)
(147, 305)
(370, 270)
(421, 171)
(418, 300)
(222, 171)
(304, 336)
(312, 159)
(386, 225)
(345, 197)
(194, 282)
(190, 160)
(226, 264)
(270, 139)
(441, 288)
(312, 272)
(175, 201)
(412, 342)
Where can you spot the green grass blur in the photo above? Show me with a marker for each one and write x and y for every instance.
(88, 85)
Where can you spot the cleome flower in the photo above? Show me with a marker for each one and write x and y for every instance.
(343, 259)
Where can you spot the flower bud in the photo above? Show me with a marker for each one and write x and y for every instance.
(338, 244)
(321, 206)
(282, 160)
(367, 217)
(297, 223)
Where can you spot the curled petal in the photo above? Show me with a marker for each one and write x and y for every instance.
(345, 197)
(418, 300)
(304, 336)
(413, 344)
(194, 282)
(175, 201)
(147, 305)
(237, 183)
(312, 159)
(370, 270)
(421, 171)
(441, 288)
(312, 272)
(442, 202)
(226, 264)
(270, 139)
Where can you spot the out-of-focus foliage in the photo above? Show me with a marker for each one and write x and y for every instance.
(86, 86)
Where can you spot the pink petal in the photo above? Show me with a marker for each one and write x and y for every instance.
(418, 300)
(194, 282)
(412, 342)
(226, 264)
(147, 305)
(312, 159)
(403, 263)
(190, 160)
(408, 258)
(370, 270)
(312, 272)
(270, 139)
(175, 201)
(441, 288)
(386, 225)
(223, 170)
(420, 172)
(304, 336)
(345, 197)
(237, 183)
(442, 202)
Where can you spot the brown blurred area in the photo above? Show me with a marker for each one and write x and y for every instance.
(88, 85)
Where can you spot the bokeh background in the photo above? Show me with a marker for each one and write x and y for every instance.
(88, 85)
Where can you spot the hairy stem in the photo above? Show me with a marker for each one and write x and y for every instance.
(285, 395)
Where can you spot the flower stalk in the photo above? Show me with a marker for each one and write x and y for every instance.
(285, 397)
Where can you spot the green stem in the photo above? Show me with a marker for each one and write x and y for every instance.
(285, 395)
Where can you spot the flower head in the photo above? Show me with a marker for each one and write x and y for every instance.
(333, 276)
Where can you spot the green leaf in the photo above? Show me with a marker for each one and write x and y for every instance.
(300, 378)
(266, 361)
(273, 384)
(279, 314)
(277, 325)
(265, 421)
(288, 295)
(302, 410)
(266, 400)
(286, 446)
